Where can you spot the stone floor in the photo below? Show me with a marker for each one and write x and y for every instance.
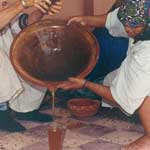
(95, 133)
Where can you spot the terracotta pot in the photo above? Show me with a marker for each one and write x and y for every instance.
(83, 107)
(48, 52)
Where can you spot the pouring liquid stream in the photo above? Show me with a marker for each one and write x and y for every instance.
(52, 90)
(53, 103)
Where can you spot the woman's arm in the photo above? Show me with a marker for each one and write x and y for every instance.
(94, 21)
(36, 15)
(6, 15)
(101, 90)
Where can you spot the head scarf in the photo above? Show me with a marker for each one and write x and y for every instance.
(135, 13)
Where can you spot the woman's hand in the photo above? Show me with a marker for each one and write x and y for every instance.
(92, 21)
(55, 8)
(83, 20)
(37, 14)
(46, 6)
(73, 83)
(43, 5)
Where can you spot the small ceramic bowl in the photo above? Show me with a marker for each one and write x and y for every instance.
(83, 107)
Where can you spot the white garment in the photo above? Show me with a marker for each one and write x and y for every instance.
(130, 84)
(21, 95)
(114, 26)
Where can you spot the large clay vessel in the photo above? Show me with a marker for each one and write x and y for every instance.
(48, 52)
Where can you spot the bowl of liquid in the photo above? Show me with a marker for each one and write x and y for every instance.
(83, 107)
(48, 52)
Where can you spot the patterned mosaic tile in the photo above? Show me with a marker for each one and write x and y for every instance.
(92, 133)
(87, 119)
(119, 125)
(16, 141)
(136, 128)
(70, 123)
(100, 145)
(29, 124)
(42, 145)
(3, 133)
(3, 148)
(71, 148)
(60, 112)
(94, 145)
(71, 142)
(94, 130)
(121, 137)
(73, 139)
(39, 132)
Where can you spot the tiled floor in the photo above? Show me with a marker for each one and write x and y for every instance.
(94, 133)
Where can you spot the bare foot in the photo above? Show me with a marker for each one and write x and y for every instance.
(142, 143)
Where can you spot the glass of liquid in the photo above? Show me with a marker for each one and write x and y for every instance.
(56, 137)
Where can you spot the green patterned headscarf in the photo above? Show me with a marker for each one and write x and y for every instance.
(135, 13)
